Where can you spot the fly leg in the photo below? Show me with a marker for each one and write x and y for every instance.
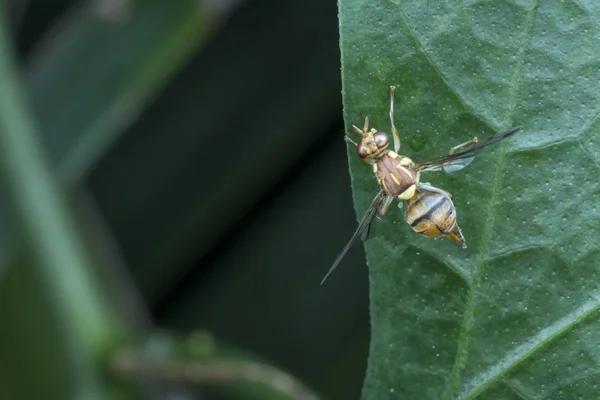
(455, 165)
(382, 209)
(385, 205)
(394, 131)
(453, 149)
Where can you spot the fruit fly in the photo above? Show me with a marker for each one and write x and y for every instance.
(429, 211)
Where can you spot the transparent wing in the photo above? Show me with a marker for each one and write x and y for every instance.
(454, 162)
(377, 202)
(456, 165)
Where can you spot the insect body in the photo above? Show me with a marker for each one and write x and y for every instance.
(430, 211)
(432, 214)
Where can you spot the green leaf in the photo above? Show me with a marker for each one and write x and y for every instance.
(514, 316)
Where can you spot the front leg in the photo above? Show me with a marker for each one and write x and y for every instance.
(394, 131)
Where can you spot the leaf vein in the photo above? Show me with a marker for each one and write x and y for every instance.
(516, 80)
(589, 154)
(421, 47)
(464, 340)
(463, 273)
(530, 347)
(588, 127)
(520, 391)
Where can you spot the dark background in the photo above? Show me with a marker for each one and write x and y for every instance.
(230, 197)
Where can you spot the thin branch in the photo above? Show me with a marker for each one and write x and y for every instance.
(127, 363)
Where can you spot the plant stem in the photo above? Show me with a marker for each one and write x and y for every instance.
(49, 230)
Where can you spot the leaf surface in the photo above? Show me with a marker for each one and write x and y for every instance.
(515, 315)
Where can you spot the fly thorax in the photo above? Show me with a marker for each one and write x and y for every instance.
(396, 174)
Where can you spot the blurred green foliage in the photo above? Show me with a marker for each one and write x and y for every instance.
(172, 138)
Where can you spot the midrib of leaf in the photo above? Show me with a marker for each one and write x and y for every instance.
(547, 335)
(464, 339)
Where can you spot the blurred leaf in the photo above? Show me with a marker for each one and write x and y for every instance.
(92, 76)
(87, 82)
(514, 316)
(77, 309)
(160, 190)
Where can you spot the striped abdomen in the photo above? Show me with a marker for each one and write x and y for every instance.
(432, 214)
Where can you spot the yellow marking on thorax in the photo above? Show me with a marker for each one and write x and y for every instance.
(402, 168)
(408, 193)
(405, 161)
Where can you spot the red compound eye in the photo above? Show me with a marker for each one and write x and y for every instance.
(381, 139)
(361, 150)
